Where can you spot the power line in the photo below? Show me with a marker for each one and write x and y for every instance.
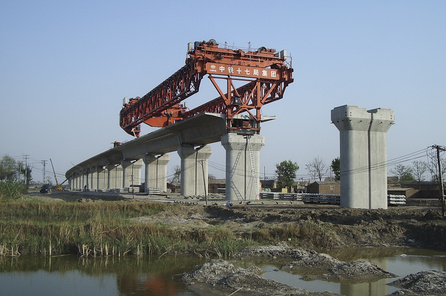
(398, 160)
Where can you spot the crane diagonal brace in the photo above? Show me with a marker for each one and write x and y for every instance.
(252, 96)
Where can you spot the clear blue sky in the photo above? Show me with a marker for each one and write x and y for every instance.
(66, 65)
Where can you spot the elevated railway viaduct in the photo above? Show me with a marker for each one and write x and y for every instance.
(120, 167)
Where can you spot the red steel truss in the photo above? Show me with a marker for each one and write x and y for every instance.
(266, 71)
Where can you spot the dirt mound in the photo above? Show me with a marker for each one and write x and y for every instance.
(430, 282)
(325, 266)
(356, 270)
(272, 251)
(218, 277)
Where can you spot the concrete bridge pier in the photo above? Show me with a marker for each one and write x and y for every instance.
(131, 174)
(93, 182)
(363, 155)
(102, 178)
(74, 182)
(242, 165)
(83, 182)
(156, 171)
(194, 169)
(98, 179)
(86, 180)
(114, 177)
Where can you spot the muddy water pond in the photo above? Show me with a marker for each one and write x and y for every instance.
(72, 275)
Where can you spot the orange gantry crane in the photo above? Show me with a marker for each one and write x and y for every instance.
(266, 72)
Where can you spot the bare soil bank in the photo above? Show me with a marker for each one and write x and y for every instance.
(333, 227)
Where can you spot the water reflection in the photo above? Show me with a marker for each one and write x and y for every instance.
(71, 275)
(125, 276)
(377, 288)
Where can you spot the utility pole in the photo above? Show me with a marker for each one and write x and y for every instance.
(25, 174)
(133, 188)
(44, 163)
(440, 177)
(204, 182)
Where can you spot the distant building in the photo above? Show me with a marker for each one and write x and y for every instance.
(423, 189)
(324, 187)
(268, 184)
(216, 185)
(409, 189)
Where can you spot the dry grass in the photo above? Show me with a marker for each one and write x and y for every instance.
(104, 229)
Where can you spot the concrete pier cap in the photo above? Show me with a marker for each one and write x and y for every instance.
(363, 154)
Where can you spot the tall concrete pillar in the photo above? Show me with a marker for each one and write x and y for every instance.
(93, 179)
(194, 169)
(126, 177)
(242, 165)
(110, 168)
(114, 177)
(156, 172)
(73, 182)
(381, 121)
(363, 155)
(136, 172)
(85, 180)
(131, 174)
(101, 179)
(77, 183)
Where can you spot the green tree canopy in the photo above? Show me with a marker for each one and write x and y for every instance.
(336, 168)
(286, 173)
(8, 168)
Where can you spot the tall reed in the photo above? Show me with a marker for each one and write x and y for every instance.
(104, 229)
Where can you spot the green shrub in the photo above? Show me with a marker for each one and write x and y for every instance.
(11, 190)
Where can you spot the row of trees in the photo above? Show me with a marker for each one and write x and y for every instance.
(418, 170)
(12, 185)
(12, 170)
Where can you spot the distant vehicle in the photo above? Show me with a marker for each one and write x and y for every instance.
(45, 188)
